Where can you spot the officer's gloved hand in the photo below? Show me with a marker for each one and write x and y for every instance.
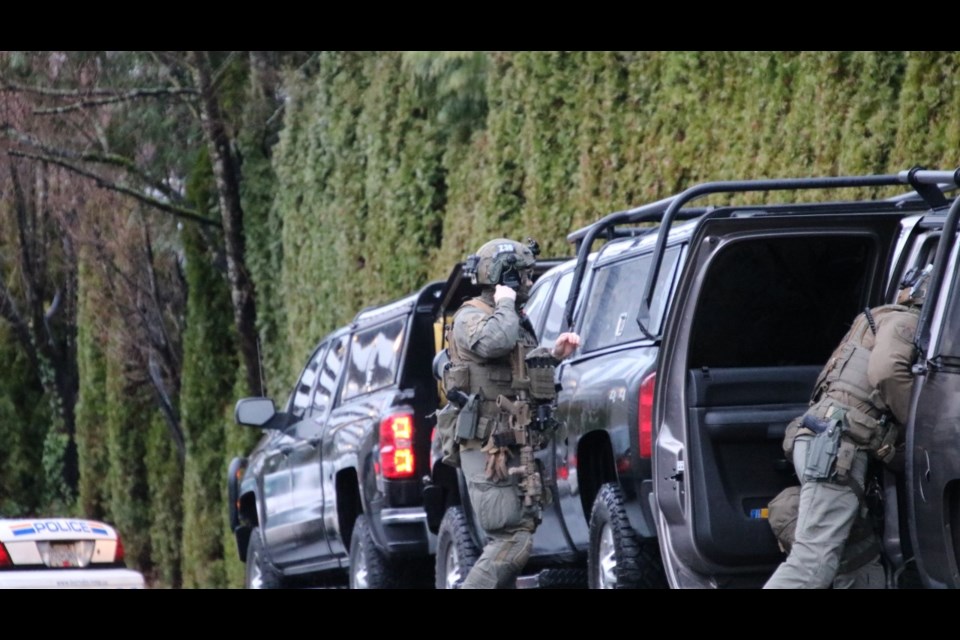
(565, 344)
(504, 293)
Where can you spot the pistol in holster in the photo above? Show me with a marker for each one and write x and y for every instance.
(468, 418)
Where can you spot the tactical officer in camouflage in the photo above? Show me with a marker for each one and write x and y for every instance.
(490, 346)
(861, 398)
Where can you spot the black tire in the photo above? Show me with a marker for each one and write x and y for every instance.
(260, 574)
(370, 568)
(456, 551)
(617, 558)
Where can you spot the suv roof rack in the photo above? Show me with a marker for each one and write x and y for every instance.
(927, 193)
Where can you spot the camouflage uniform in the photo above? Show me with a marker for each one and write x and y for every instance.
(485, 341)
(866, 377)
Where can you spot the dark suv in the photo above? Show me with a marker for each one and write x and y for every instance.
(332, 492)
(700, 341)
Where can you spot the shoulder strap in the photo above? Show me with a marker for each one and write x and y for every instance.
(477, 303)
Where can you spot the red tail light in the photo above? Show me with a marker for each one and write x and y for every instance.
(119, 553)
(5, 560)
(645, 418)
(396, 446)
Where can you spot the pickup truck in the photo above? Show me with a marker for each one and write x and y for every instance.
(331, 495)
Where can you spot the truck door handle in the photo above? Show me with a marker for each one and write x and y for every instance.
(678, 471)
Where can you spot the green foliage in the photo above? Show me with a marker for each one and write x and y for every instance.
(24, 415)
(129, 412)
(92, 404)
(165, 482)
(209, 374)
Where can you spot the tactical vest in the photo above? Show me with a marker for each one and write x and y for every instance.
(490, 378)
(843, 384)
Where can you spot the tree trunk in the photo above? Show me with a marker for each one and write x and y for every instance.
(226, 173)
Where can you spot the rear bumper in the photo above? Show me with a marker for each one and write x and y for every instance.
(403, 531)
(72, 579)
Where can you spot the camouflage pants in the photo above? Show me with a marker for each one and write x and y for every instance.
(509, 528)
(827, 513)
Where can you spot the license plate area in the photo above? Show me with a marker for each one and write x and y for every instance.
(65, 555)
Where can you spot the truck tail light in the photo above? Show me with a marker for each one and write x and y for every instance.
(5, 560)
(396, 446)
(645, 416)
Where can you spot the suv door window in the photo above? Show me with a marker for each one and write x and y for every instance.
(614, 300)
(553, 326)
(374, 358)
(329, 374)
(533, 307)
(301, 393)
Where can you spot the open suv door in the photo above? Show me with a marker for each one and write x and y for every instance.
(933, 431)
(765, 294)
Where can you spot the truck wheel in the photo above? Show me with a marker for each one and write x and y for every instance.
(456, 551)
(617, 559)
(369, 566)
(260, 574)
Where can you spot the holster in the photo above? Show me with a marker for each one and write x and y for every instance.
(468, 418)
(822, 453)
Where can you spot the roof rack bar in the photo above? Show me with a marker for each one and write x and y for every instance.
(619, 217)
(929, 191)
(584, 238)
(736, 186)
(927, 176)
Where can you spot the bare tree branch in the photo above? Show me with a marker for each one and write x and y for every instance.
(93, 97)
(103, 183)
(173, 79)
(109, 159)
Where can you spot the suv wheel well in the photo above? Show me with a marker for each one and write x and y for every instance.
(248, 520)
(594, 468)
(349, 505)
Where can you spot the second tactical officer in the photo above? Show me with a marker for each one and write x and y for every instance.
(860, 402)
(506, 383)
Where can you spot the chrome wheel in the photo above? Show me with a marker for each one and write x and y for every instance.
(607, 555)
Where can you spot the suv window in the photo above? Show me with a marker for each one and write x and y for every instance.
(553, 325)
(329, 373)
(374, 358)
(810, 291)
(301, 393)
(533, 307)
(614, 300)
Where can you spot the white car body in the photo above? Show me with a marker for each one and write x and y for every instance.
(62, 553)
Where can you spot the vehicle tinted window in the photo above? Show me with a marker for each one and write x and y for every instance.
(614, 300)
(374, 358)
(553, 326)
(329, 373)
(538, 297)
(812, 288)
(301, 393)
(663, 289)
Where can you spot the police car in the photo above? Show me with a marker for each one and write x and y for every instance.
(63, 553)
